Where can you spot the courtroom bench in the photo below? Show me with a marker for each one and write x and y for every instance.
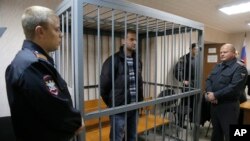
(102, 125)
(245, 106)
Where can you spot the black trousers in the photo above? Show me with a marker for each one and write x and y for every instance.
(223, 115)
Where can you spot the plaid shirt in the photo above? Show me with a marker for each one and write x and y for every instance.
(132, 82)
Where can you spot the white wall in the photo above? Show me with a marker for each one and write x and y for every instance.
(11, 41)
(215, 36)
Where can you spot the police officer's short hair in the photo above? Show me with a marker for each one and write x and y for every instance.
(231, 47)
(34, 16)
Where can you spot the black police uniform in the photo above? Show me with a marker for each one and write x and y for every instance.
(227, 82)
(40, 103)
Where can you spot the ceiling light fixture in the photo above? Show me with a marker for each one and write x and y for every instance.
(236, 9)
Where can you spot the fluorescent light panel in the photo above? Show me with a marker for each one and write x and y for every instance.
(236, 9)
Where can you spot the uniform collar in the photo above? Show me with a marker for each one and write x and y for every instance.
(27, 44)
(230, 63)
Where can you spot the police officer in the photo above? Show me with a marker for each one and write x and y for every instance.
(224, 86)
(40, 103)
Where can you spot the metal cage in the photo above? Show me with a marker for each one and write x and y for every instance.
(93, 31)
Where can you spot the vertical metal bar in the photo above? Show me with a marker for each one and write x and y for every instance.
(62, 47)
(161, 62)
(161, 75)
(190, 58)
(125, 54)
(172, 61)
(95, 67)
(98, 43)
(147, 61)
(189, 70)
(108, 38)
(73, 61)
(99, 68)
(190, 79)
(200, 45)
(184, 105)
(113, 61)
(166, 52)
(113, 69)
(113, 74)
(169, 80)
(137, 70)
(125, 70)
(77, 43)
(185, 52)
(67, 48)
(177, 55)
(97, 61)
(164, 77)
(147, 70)
(200, 78)
(171, 40)
(155, 86)
(193, 86)
(58, 53)
(171, 47)
(87, 64)
(196, 75)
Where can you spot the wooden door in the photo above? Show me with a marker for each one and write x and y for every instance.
(211, 51)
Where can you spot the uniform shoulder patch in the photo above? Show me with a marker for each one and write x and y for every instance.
(40, 56)
(240, 62)
(243, 75)
(50, 84)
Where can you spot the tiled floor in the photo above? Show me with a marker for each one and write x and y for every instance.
(158, 136)
(204, 135)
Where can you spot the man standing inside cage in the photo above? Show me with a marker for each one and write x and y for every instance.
(127, 53)
(184, 71)
(224, 86)
(40, 103)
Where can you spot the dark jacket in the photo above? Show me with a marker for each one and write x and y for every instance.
(40, 103)
(119, 85)
(182, 67)
(227, 81)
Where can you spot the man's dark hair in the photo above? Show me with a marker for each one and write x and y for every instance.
(193, 45)
(128, 31)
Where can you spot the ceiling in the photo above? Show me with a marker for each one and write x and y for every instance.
(204, 11)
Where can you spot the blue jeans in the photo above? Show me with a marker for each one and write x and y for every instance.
(117, 123)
